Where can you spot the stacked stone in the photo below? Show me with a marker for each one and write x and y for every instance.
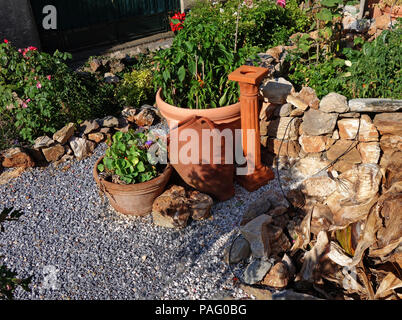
(76, 142)
(369, 129)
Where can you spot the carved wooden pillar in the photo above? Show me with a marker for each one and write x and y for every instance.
(249, 78)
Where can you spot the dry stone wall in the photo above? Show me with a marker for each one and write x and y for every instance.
(298, 124)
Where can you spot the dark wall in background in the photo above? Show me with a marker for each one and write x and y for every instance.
(17, 23)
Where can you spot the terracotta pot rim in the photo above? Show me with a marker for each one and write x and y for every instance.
(142, 186)
(224, 114)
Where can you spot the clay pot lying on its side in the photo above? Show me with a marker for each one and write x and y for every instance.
(133, 199)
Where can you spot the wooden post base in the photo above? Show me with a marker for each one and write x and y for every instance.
(252, 182)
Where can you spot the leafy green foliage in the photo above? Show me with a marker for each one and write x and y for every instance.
(128, 158)
(373, 70)
(376, 69)
(193, 72)
(8, 280)
(136, 88)
(39, 93)
(323, 62)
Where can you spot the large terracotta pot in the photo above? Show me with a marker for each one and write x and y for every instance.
(228, 116)
(133, 199)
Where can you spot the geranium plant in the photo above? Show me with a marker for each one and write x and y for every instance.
(176, 22)
(129, 160)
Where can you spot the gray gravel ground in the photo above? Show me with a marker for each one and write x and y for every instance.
(77, 248)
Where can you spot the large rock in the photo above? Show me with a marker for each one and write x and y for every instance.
(240, 250)
(267, 110)
(319, 187)
(281, 129)
(81, 147)
(276, 52)
(312, 144)
(53, 153)
(43, 142)
(369, 151)
(348, 128)
(145, 117)
(334, 102)
(290, 148)
(316, 122)
(96, 137)
(309, 96)
(255, 232)
(390, 143)
(342, 146)
(297, 102)
(89, 126)
(367, 131)
(129, 113)
(256, 208)
(109, 122)
(64, 134)
(278, 277)
(170, 209)
(276, 90)
(283, 110)
(16, 157)
(310, 165)
(256, 271)
(375, 105)
(389, 123)
(199, 205)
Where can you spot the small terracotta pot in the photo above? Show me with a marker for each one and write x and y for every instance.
(133, 199)
(229, 116)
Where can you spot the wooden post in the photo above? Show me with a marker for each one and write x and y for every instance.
(249, 78)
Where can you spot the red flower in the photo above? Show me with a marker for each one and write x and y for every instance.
(176, 21)
(281, 3)
(6, 41)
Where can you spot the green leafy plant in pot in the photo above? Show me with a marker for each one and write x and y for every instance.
(129, 173)
(192, 75)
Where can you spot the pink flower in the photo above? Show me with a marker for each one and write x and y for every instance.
(24, 105)
(39, 85)
(28, 100)
(49, 77)
(20, 50)
(6, 41)
(281, 3)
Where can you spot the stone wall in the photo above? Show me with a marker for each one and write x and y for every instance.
(17, 23)
(298, 125)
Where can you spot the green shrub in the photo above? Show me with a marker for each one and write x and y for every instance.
(263, 23)
(39, 93)
(193, 72)
(374, 71)
(136, 88)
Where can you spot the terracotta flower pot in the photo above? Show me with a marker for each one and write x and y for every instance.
(133, 199)
(228, 116)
